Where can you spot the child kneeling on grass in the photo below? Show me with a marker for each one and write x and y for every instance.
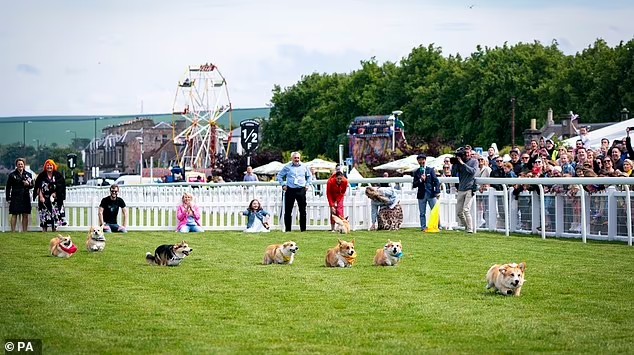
(257, 218)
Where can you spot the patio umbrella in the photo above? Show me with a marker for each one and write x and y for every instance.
(271, 168)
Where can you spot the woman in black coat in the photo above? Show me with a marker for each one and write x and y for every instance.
(50, 191)
(19, 183)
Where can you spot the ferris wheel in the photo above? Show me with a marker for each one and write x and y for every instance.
(201, 99)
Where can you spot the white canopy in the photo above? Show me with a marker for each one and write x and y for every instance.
(271, 168)
(354, 174)
(615, 131)
(322, 166)
(401, 164)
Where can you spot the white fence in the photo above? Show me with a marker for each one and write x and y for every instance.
(601, 216)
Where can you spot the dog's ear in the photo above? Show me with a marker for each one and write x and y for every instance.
(523, 266)
(502, 269)
(352, 242)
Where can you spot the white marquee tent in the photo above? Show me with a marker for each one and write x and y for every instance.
(615, 131)
(271, 168)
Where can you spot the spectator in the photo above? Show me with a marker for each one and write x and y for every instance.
(19, 182)
(385, 184)
(385, 208)
(249, 175)
(627, 168)
(335, 192)
(466, 187)
(295, 179)
(188, 215)
(617, 162)
(109, 210)
(257, 218)
(428, 186)
(50, 190)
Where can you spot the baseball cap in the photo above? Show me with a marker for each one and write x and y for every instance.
(421, 156)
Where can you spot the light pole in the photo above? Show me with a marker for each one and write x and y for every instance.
(74, 140)
(513, 122)
(140, 140)
(393, 119)
(24, 137)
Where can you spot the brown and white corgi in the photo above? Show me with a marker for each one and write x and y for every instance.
(389, 255)
(343, 255)
(280, 253)
(341, 224)
(62, 246)
(507, 278)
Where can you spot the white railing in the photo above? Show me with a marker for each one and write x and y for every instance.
(601, 216)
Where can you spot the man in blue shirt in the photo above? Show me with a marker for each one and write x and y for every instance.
(295, 179)
(249, 175)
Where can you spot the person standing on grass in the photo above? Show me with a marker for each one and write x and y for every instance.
(50, 192)
(19, 183)
(335, 192)
(428, 186)
(295, 179)
(465, 168)
(109, 209)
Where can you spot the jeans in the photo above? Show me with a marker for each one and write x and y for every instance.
(463, 209)
(187, 229)
(422, 208)
(113, 227)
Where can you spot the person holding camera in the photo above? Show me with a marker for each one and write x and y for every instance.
(428, 186)
(465, 168)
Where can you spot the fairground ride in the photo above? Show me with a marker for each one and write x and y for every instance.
(201, 99)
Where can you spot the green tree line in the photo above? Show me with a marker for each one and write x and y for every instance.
(451, 100)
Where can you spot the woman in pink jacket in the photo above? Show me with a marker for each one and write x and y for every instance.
(188, 215)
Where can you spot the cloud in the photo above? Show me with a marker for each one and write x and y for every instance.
(27, 69)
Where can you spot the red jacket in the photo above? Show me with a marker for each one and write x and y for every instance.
(334, 192)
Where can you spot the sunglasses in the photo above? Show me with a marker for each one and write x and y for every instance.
(525, 157)
(499, 161)
(115, 191)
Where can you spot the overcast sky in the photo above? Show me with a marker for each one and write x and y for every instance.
(94, 57)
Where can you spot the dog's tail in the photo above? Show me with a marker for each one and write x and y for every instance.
(151, 259)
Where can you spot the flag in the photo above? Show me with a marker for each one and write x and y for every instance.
(434, 219)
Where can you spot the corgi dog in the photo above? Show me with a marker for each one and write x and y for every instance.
(62, 246)
(280, 253)
(389, 255)
(342, 224)
(169, 255)
(96, 240)
(343, 255)
(507, 279)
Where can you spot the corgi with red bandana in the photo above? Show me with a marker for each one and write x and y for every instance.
(62, 246)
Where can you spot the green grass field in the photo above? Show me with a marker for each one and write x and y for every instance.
(577, 298)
